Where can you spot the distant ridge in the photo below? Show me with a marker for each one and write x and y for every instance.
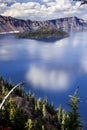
(14, 25)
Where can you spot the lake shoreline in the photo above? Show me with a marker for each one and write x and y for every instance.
(52, 39)
(32, 60)
(43, 34)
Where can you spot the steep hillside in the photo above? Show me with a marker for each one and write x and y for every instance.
(10, 24)
(23, 111)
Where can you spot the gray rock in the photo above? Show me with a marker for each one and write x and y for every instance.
(68, 24)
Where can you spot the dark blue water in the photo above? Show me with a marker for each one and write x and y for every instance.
(53, 69)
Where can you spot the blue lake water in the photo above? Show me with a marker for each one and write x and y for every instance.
(53, 69)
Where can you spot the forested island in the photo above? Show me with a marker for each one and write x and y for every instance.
(23, 111)
(43, 33)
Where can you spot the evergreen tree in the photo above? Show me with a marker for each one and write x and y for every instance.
(35, 104)
(39, 104)
(19, 119)
(45, 101)
(74, 116)
(7, 112)
(43, 127)
(44, 111)
(30, 116)
(59, 116)
(64, 120)
(29, 125)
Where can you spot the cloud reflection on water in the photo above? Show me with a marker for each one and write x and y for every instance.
(59, 64)
(6, 53)
(49, 66)
(48, 79)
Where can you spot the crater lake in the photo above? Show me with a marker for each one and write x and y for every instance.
(49, 68)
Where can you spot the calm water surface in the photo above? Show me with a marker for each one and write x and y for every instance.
(51, 69)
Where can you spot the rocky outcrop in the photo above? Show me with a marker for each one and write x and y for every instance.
(71, 24)
(10, 24)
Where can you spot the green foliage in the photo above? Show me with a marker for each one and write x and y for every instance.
(43, 127)
(64, 120)
(36, 108)
(19, 91)
(44, 111)
(43, 32)
(39, 104)
(19, 119)
(45, 101)
(36, 114)
(8, 112)
(59, 114)
(74, 116)
(29, 125)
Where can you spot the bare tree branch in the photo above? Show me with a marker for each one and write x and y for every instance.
(20, 84)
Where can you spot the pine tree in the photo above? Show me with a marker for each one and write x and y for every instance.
(29, 125)
(44, 111)
(45, 101)
(20, 118)
(43, 127)
(35, 104)
(8, 112)
(39, 104)
(59, 116)
(11, 110)
(74, 116)
(64, 120)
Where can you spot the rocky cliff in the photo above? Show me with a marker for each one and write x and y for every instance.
(10, 24)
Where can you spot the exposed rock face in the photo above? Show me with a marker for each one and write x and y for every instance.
(9, 24)
(71, 24)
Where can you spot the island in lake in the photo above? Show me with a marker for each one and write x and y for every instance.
(43, 33)
(56, 28)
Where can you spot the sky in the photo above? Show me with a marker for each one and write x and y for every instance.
(42, 9)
